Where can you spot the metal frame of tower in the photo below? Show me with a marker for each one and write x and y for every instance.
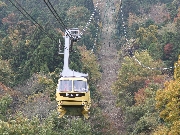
(74, 36)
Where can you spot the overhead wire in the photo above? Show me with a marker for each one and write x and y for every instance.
(97, 28)
(58, 18)
(90, 19)
(88, 23)
(55, 14)
(31, 18)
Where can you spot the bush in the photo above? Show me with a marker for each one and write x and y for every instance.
(5, 101)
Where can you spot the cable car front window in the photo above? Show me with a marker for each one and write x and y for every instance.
(80, 86)
(65, 85)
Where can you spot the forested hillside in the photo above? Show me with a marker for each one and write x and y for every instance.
(30, 66)
(147, 85)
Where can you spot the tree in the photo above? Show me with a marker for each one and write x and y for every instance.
(22, 125)
(6, 74)
(5, 102)
(77, 16)
(90, 65)
(6, 49)
(78, 127)
(158, 13)
(75, 60)
(132, 76)
(167, 102)
(146, 36)
(168, 50)
(3, 13)
(89, 5)
(11, 19)
(155, 51)
(142, 117)
(131, 6)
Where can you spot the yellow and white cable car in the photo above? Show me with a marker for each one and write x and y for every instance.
(73, 91)
(72, 88)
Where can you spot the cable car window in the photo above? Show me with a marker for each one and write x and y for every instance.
(80, 86)
(65, 85)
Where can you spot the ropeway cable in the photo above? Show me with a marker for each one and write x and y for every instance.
(53, 11)
(31, 18)
(91, 17)
(58, 18)
(88, 23)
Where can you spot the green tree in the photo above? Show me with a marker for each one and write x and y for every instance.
(75, 60)
(77, 16)
(89, 5)
(78, 127)
(5, 101)
(22, 125)
(90, 65)
(6, 74)
(6, 49)
(155, 51)
(3, 12)
(145, 36)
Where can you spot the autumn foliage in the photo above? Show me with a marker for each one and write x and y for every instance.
(168, 102)
(168, 50)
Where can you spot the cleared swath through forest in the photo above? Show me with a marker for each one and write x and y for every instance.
(108, 59)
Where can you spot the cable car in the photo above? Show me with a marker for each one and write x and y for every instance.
(72, 88)
(73, 91)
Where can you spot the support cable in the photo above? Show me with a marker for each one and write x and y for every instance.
(31, 18)
(55, 14)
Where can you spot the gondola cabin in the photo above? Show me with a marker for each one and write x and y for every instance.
(73, 91)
